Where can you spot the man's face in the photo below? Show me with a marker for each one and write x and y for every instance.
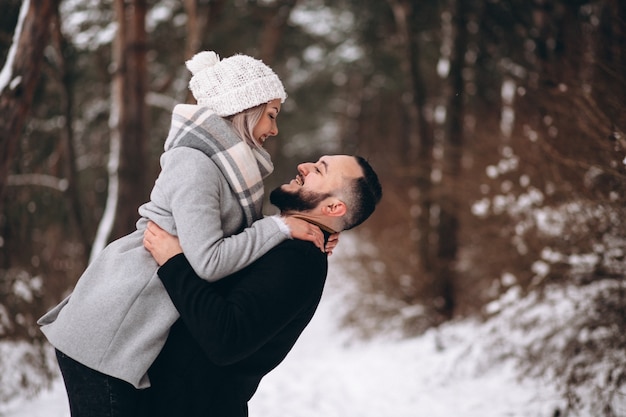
(315, 182)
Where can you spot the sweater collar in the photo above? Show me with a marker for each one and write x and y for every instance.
(327, 231)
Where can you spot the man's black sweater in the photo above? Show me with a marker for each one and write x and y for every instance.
(234, 331)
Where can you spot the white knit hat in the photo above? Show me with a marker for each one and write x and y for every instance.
(233, 84)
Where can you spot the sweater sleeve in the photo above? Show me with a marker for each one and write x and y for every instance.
(191, 183)
(260, 301)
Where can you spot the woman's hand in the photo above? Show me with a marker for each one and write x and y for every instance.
(161, 245)
(303, 230)
(333, 241)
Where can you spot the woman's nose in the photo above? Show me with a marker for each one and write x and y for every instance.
(274, 129)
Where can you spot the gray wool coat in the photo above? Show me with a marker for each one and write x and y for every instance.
(117, 319)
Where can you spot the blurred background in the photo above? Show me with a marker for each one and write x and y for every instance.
(497, 129)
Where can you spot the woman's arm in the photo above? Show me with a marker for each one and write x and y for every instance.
(195, 190)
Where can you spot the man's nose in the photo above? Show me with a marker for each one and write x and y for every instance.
(304, 168)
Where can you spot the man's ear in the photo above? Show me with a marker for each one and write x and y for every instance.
(335, 208)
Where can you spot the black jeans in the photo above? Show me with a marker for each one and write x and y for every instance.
(94, 394)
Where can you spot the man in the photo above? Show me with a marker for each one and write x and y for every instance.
(233, 332)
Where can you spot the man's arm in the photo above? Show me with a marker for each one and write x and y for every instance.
(233, 322)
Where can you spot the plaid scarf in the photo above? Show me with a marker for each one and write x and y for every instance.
(243, 166)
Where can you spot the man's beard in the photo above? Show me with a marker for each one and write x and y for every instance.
(299, 200)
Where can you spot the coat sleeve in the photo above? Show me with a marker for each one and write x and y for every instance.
(260, 302)
(191, 184)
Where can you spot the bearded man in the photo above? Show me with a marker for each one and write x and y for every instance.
(233, 332)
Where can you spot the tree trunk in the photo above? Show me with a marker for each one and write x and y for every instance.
(131, 77)
(424, 156)
(64, 64)
(19, 78)
(448, 225)
(201, 18)
(419, 149)
(196, 24)
(273, 29)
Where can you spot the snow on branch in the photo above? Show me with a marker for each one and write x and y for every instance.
(7, 70)
(49, 181)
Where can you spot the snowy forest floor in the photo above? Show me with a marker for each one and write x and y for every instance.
(439, 374)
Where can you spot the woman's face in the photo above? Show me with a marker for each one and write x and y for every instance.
(267, 126)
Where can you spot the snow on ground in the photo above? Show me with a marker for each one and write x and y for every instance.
(436, 375)
(51, 403)
(440, 374)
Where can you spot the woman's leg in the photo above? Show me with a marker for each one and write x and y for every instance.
(94, 394)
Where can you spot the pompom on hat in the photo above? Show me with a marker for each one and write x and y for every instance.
(233, 84)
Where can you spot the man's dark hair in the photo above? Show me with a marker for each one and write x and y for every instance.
(361, 196)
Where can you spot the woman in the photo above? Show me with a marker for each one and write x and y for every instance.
(209, 192)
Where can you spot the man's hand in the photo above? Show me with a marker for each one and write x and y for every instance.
(161, 245)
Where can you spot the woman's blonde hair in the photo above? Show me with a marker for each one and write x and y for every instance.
(245, 121)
